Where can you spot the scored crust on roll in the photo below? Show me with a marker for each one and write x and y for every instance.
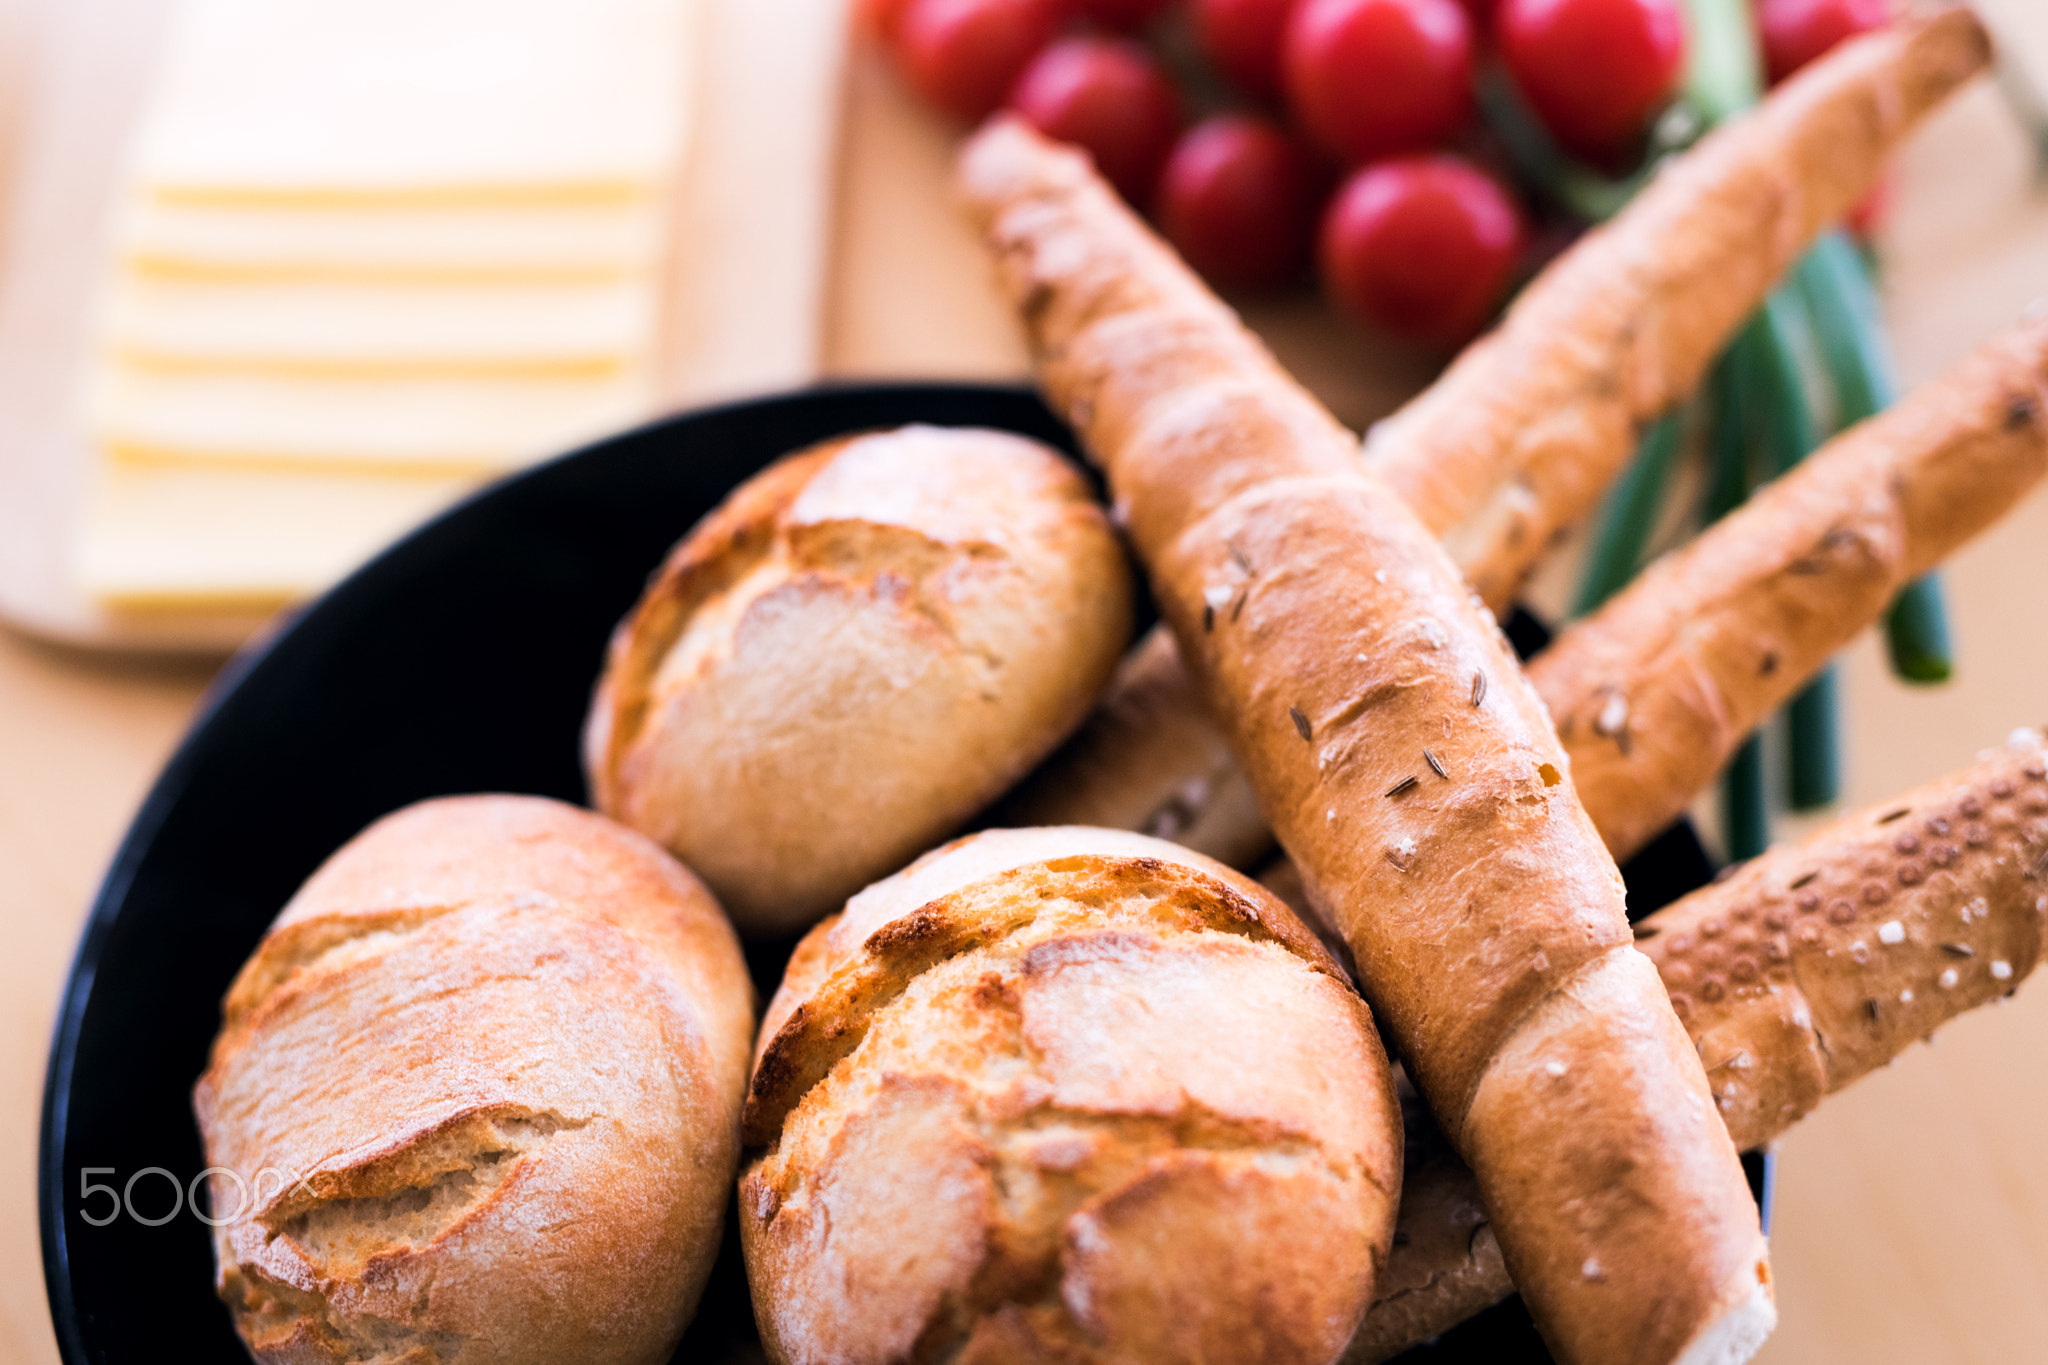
(1066, 1095)
(861, 647)
(478, 1089)
(1408, 767)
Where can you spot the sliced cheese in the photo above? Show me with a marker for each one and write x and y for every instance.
(358, 329)
(420, 102)
(224, 539)
(562, 244)
(455, 425)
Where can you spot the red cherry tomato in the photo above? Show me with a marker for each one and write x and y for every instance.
(1126, 16)
(1106, 95)
(1595, 70)
(880, 17)
(1243, 38)
(1422, 246)
(1369, 77)
(964, 55)
(1238, 198)
(1794, 32)
(1480, 12)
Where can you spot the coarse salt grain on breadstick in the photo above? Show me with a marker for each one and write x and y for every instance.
(1807, 969)
(1411, 771)
(1519, 438)
(1655, 691)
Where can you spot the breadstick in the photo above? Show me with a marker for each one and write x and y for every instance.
(1604, 339)
(1519, 438)
(1869, 934)
(1411, 771)
(1654, 692)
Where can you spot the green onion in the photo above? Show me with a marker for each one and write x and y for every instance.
(1848, 325)
(1537, 159)
(1629, 514)
(1722, 74)
(1814, 721)
(1916, 629)
(1784, 423)
(1744, 811)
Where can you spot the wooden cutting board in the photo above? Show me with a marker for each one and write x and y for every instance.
(752, 249)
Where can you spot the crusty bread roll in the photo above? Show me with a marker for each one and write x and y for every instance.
(865, 644)
(478, 1089)
(1409, 768)
(1066, 1095)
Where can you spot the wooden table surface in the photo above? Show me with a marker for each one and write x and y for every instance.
(1913, 1211)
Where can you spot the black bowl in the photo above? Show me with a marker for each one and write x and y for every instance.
(460, 660)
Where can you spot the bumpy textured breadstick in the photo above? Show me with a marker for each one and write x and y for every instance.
(1606, 337)
(1411, 771)
(1653, 692)
(1808, 968)
(1519, 438)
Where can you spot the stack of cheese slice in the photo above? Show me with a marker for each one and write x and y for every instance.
(369, 254)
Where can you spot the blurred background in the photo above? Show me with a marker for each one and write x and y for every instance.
(239, 352)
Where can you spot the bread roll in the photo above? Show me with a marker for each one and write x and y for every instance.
(478, 1090)
(863, 646)
(1066, 1095)
(1410, 770)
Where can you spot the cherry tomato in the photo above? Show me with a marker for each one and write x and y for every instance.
(1243, 38)
(1238, 198)
(880, 17)
(1369, 77)
(1794, 32)
(1421, 245)
(964, 55)
(1106, 95)
(1480, 12)
(1126, 16)
(1595, 70)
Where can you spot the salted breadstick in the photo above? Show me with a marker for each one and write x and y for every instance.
(1869, 934)
(1410, 770)
(1654, 692)
(1605, 338)
(1520, 437)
